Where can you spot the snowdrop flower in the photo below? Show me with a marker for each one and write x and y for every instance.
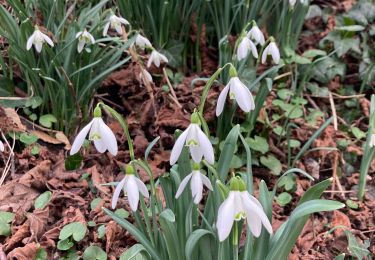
(37, 39)
(142, 42)
(1, 146)
(240, 205)
(100, 133)
(198, 143)
(145, 76)
(114, 22)
(272, 50)
(256, 34)
(84, 38)
(196, 184)
(238, 91)
(244, 47)
(132, 186)
(155, 58)
(372, 140)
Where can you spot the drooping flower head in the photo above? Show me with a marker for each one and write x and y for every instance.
(142, 42)
(292, 3)
(37, 39)
(156, 58)
(198, 143)
(272, 50)
(241, 205)
(102, 136)
(256, 34)
(244, 47)
(132, 186)
(114, 22)
(196, 184)
(237, 91)
(84, 38)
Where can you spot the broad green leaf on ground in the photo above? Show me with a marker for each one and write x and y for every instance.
(94, 253)
(42, 200)
(77, 230)
(258, 144)
(272, 163)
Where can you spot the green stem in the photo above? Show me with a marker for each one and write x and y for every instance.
(235, 241)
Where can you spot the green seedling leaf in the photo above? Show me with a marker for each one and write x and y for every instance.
(77, 230)
(288, 182)
(94, 203)
(358, 133)
(94, 253)
(312, 53)
(136, 252)
(101, 231)
(6, 217)
(258, 143)
(47, 120)
(285, 93)
(41, 254)
(35, 150)
(271, 163)
(350, 28)
(71, 255)
(278, 130)
(34, 102)
(356, 248)
(91, 223)
(33, 117)
(122, 213)
(284, 199)
(294, 143)
(4, 229)
(28, 139)
(351, 204)
(42, 200)
(73, 162)
(236, 162)
(65, 244)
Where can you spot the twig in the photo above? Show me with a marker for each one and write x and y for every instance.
(10, 161)
(171, 89)
(333, 108)
(337, 96)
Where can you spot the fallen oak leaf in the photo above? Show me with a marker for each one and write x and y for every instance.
(27, 252)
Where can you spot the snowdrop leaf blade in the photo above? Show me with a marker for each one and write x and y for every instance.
(80, 138)
(182, 186)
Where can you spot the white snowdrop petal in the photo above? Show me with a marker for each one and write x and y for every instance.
(206, 147)
(30, 42)
(1, 146)
(80, 138)
(265, 54)
(254, 50)
(118, 29)
(255, 210)
(80, 46)
(117, 192)
(177, 148)
(106, 27)
(225, 217)
(133, 192)
(123, 20)
(206, 181)
(78, 34)
(142, 187)
(196, 153)
(274, 52)
(38, 46)
(47, 39)
(182, 186)
(243, 49)
(243, 96)
(108, 137)
(196, 187)
(221, 100)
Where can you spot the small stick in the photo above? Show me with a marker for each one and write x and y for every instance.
(333, 108)
(171, 88)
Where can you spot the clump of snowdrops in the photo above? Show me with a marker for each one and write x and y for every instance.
(208, 210)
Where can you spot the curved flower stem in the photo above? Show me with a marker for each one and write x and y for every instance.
(208, 87)
(124, 126)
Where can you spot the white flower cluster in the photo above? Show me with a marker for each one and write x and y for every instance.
(254, 37)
